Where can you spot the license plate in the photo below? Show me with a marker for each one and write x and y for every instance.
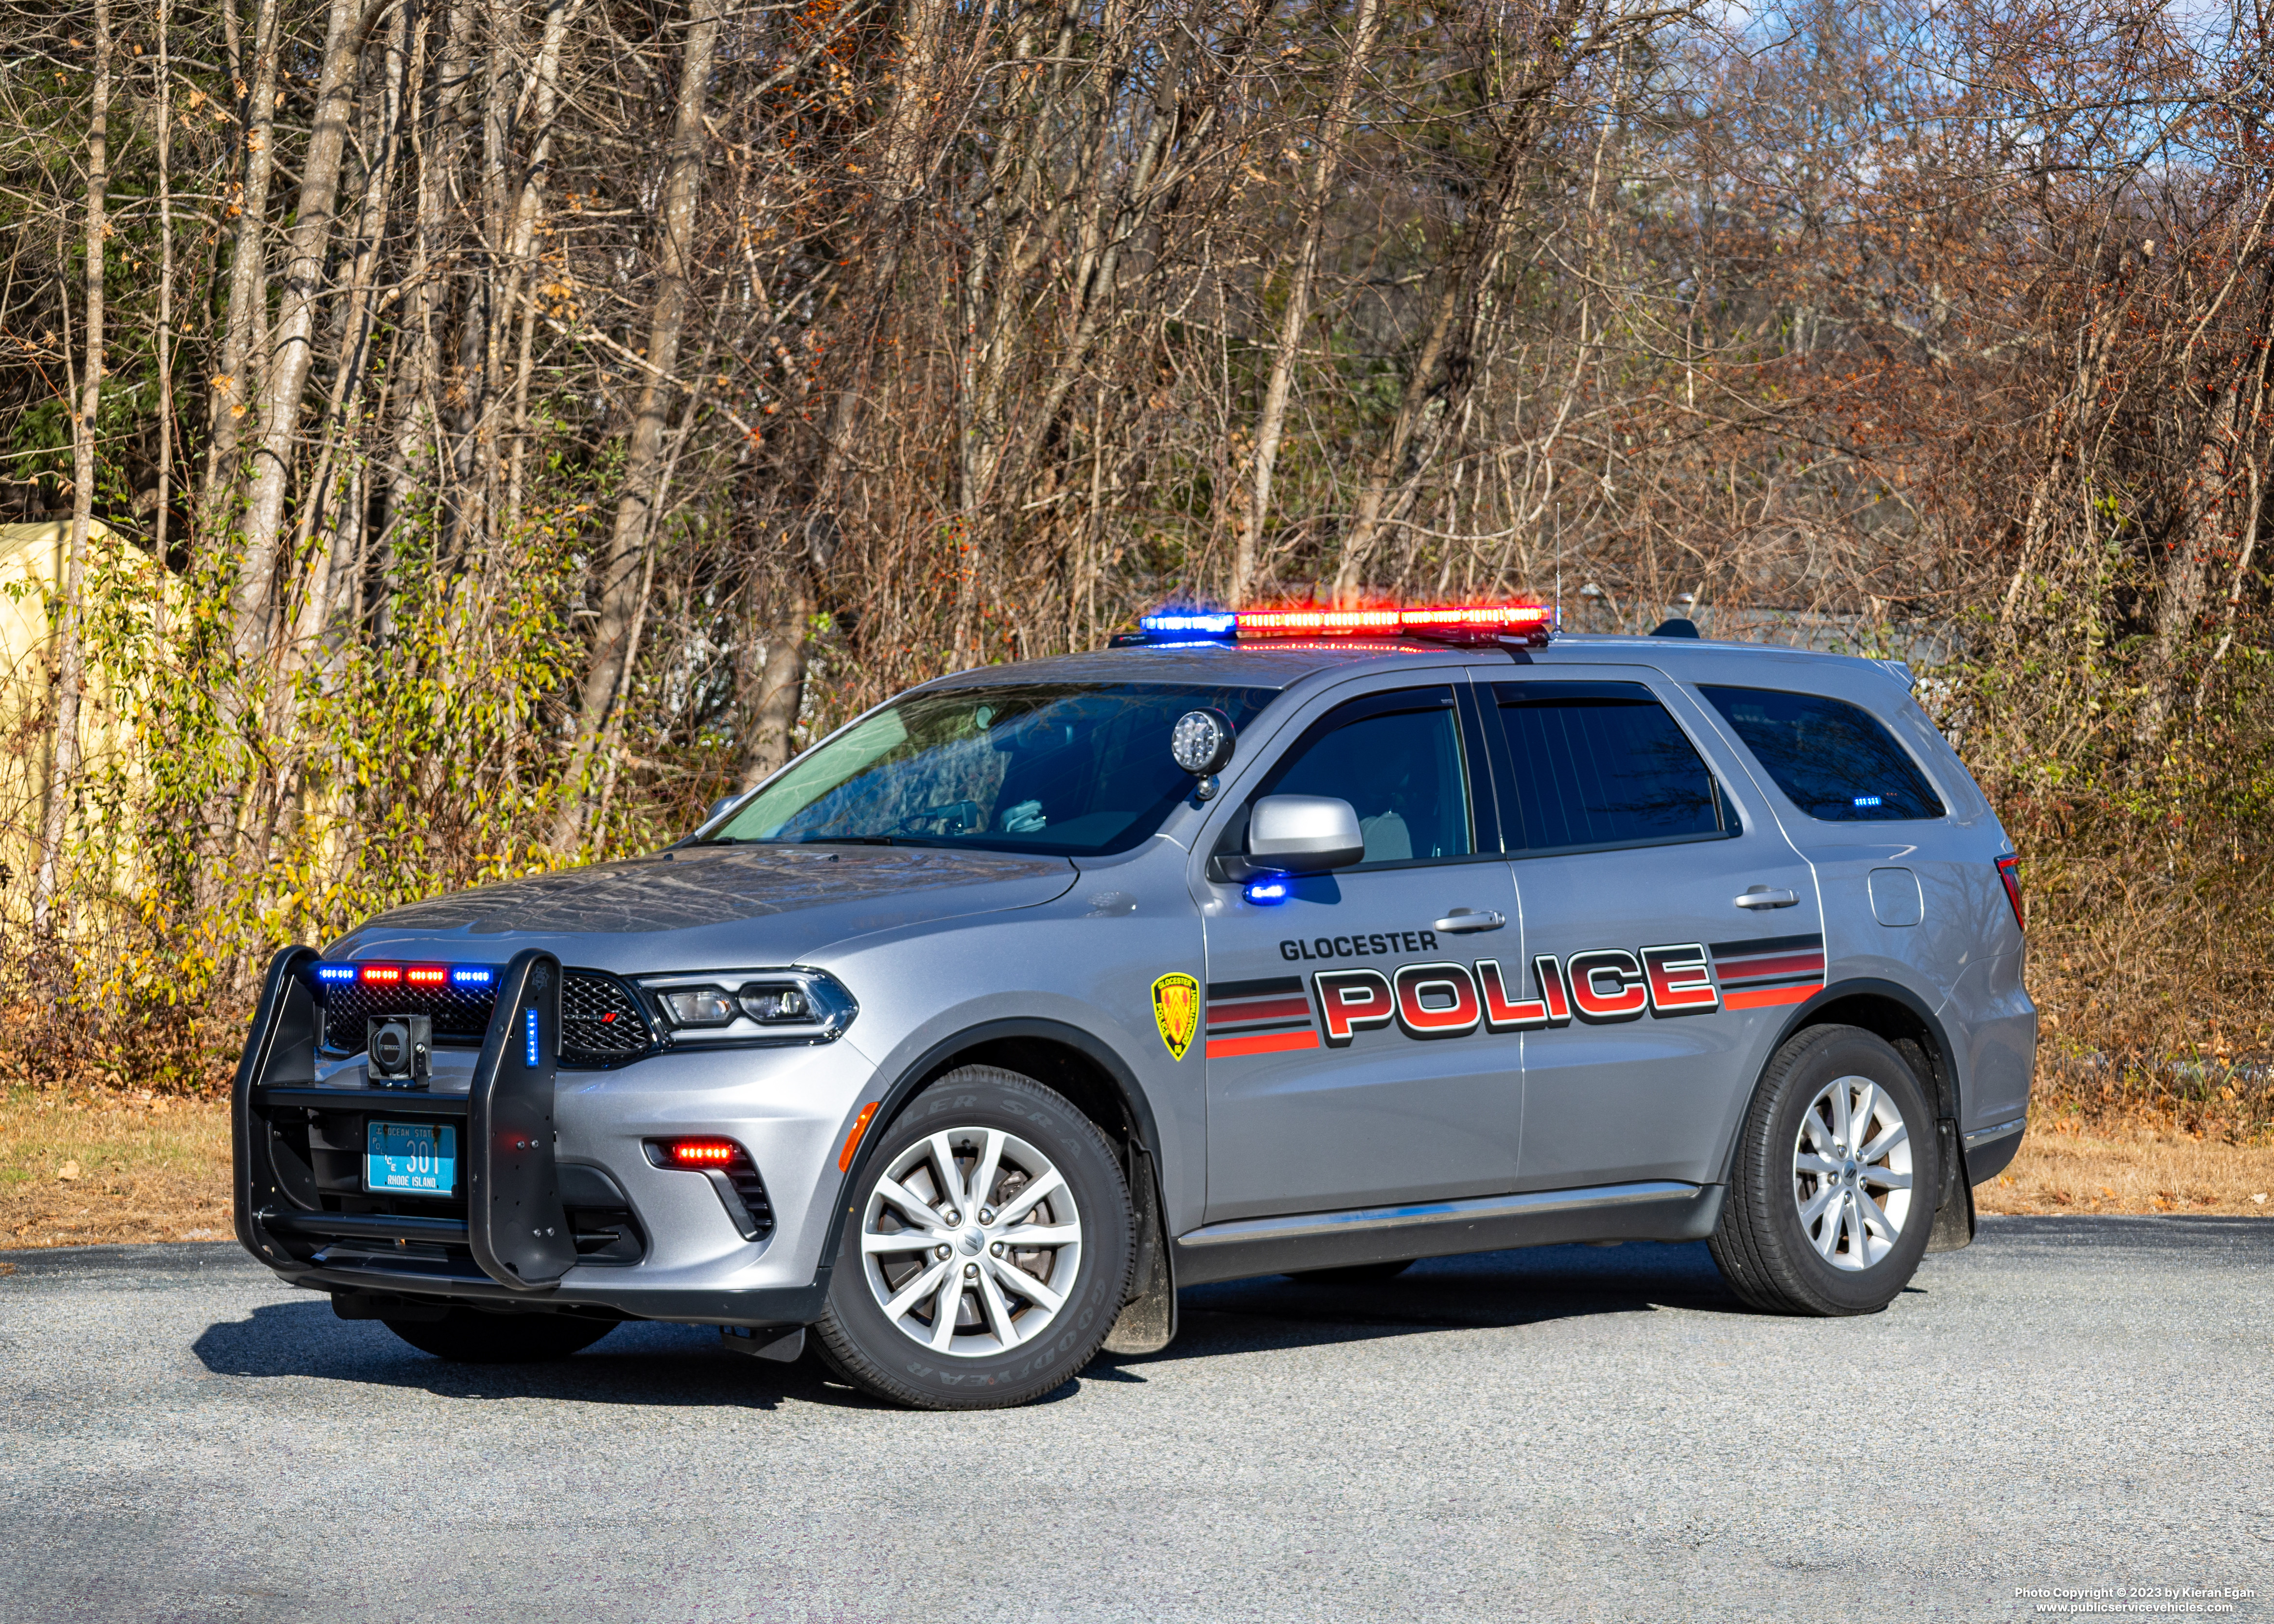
(411, 1158)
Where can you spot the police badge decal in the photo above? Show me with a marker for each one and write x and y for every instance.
(1177, 1011)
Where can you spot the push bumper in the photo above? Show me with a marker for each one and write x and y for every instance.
(520, 1235)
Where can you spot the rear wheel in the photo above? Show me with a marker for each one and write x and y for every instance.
(1832, 1192)
(470, 1336)
(988, 1252)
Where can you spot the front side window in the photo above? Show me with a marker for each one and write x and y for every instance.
(1833, 760)
(1079, 770)
(1601, 764)
(1397, 760)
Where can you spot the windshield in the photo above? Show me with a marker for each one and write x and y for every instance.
(1076, 769)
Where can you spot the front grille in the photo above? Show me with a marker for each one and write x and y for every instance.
(602, 1022)
(460, 1014)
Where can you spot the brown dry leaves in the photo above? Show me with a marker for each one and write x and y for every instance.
(78, 1169)
(2061, 1169)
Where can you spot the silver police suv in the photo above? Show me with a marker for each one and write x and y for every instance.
(1278, 943)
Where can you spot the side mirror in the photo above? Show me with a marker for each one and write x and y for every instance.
(1303, 834)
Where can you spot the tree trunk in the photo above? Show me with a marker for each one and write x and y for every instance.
(621, 571)
(247, 278)
(71, 664)
(165, 345)
(1270, 425)
(293, 353)
(781, 679)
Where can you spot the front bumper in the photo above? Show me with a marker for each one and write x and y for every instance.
(631, 1239)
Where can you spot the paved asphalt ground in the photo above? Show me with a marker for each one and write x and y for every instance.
(1565, 1434)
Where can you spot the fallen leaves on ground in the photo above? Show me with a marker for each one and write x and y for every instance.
(2061, 1167)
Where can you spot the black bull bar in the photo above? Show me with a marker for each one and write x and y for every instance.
(515, 1226)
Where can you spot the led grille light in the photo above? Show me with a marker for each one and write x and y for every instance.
(471, 975)
(1480, 621)
(386, 975)
(336, 972)
(703, 1152)
(427, 976)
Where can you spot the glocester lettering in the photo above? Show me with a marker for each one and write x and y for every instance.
(1363, 945)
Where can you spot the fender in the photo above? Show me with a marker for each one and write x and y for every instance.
(920, 1070)
(1954, 1201)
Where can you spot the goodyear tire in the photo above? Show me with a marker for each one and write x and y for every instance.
(987, 1252)
(470, 1336)
(1832, 1191)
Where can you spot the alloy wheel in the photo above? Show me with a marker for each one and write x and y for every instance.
(971, 1241)
(1852, 1173)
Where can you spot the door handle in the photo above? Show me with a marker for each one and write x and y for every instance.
(1470, 919)
(1762, 897)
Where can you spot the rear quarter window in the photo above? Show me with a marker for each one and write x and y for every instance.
(1834, 761)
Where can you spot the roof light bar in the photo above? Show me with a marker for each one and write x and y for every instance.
(1437, 623)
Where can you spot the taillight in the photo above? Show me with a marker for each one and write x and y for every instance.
(2008, 871)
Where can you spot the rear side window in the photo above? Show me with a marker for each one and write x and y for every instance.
(1833, 760)
(1600, 764)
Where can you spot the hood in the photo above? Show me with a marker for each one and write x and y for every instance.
(710, 907)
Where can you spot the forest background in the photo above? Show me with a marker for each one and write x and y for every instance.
(482, 431)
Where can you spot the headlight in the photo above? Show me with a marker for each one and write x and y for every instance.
(699, 1006)
(767, 1006)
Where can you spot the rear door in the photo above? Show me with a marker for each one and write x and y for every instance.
(1348, 1063)
(1667, 925)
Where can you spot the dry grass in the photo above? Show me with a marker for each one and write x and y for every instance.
(80, 1169)
(2064, 1168)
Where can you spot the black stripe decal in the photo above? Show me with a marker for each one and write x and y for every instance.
(1287, 986)
(1764, 944)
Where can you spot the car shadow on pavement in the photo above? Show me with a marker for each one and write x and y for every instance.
(676, 1364)
(635, 1364)
(1488, 1290)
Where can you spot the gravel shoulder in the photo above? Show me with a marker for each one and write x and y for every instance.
(1569, 1433)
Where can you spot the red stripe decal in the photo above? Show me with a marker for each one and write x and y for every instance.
(1261, 1043)
(1767, 997)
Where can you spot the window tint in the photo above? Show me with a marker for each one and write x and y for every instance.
(1833, 760)
(1401, 772)
(1602, 764)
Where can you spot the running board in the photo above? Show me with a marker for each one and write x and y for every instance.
(1656, 1211)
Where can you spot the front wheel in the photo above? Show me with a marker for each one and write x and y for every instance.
(987, 1252)
(1833, 1188)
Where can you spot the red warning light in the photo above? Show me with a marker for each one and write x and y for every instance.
(703, 1152)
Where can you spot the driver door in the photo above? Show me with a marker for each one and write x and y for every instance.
(1348, 1063)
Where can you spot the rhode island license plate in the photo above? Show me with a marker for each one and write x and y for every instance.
(411, 1158)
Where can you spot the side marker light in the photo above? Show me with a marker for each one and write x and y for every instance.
(853, 1139)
